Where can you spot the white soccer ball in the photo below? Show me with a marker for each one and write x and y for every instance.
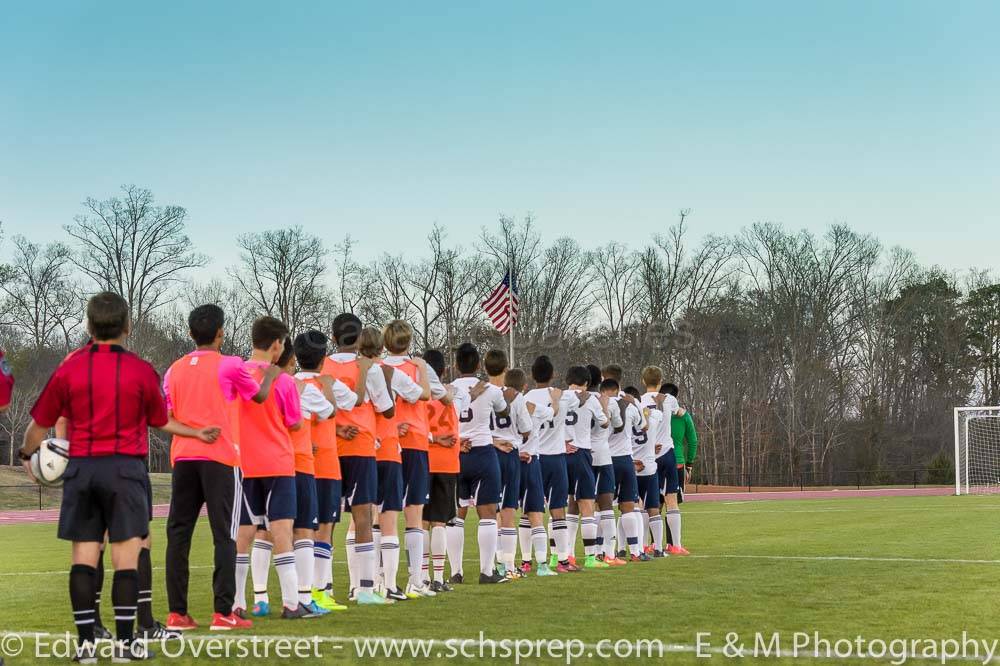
(49, 462)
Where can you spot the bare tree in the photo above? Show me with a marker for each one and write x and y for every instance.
(281, 271)
(616, 290)
(135, 248)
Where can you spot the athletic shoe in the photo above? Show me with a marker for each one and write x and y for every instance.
(544, 570)
(572, 560)
(553, 561)
(86, 653)
(641, 557)
(501, 569)
(229, 622)
(677, 550)
(659, 553)
(353, 594)
(414, 592)
(299, 612)
(371, 598)
(396, 595)
(240, 613)
(261, 609)
(622, 555)
(178, 622)
(127, 652)
(326, 602)
(649, 549)
(315, 608)
(491, 579)
(441, 586)
(593, 563)
(456, 579)
(514, 574)
(561, 568)
(525, 568)
(157, 633)
(615, 562)
(101, 633)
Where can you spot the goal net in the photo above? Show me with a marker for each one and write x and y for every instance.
(977, 450)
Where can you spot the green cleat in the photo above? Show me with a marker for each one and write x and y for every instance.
(326, 602)
(553, 561)
(593, 563)
(545, 570)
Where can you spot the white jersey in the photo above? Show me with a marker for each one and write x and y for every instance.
(510, 428)
(643, 444)
(599, 437)
(620, 443)
(346, 398)
(552, 433)
(474, 419)
(541, 415)
(661, 435)
(580, 420)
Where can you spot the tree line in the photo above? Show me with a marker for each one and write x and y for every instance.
(801, 355)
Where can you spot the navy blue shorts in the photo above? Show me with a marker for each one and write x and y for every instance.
(626, 486)
(479, 480)
(580, 473)
(416, 478)
(532, 498)
(510, 478)
(555, 480)
(604, 476)
(360, 482)
(666, 471)
(269, 498)
(306, 503)
(390, 486)
(649, 491)
(328, 500)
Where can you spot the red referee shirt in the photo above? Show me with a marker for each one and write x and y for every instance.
(109, 395)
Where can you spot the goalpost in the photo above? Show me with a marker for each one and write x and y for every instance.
(977, 450)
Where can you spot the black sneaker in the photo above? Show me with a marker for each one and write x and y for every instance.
(157, 632)
(128, 651)
(298, 613)
(491, 579)
(457, 579)
(622, 554)
(101, 633)
(439, 587)
(658, 553)
(86, 653)
(396, 595)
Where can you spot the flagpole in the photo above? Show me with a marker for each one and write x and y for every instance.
(510, 311)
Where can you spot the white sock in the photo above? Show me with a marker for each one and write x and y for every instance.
(487, 545)
(557, 528)
(622, 542)
(242, 569)
(456, 545)
(524, 538)
(425, 559)
(390, 561)
(656, 527)
(353, 564)
(539, 542)
(607, 521)
(572, 528)
(439, 546)
(304, 569)
(365, 554)
(377, 548)
(322, 565)
(674, 523)
(260, 567)
(631, 523)
(508, 546)
(284, 564)
(415, 555)
(644, 518)
(588, 530)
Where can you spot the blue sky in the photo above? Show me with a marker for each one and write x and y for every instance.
(602, 119)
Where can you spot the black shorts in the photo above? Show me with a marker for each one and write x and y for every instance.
(443, 497)
(105, 493)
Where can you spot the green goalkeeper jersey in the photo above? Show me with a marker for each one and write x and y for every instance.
(685, 438)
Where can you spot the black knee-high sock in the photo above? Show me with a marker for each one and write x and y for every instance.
(144, 616)
(125, 597)
(99, 586)
(81, 597)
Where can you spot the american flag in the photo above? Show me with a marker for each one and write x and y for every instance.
(501, 305)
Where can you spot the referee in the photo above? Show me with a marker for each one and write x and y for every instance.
(109, 397)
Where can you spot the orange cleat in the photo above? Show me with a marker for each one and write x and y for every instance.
(616, 562)
(229, 622)
(677, 550)
(178, 622)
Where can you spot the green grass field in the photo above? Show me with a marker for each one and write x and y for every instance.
(886, 568)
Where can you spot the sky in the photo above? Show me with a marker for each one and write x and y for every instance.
(601, 119)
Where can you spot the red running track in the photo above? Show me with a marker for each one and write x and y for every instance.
(160, 510)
